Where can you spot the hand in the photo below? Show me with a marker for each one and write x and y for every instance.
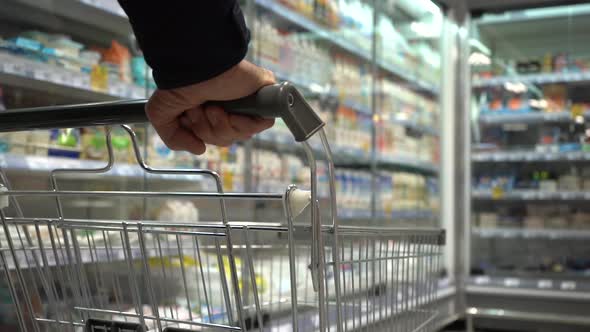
(184, 124)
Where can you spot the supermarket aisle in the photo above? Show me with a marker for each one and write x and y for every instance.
(371, 71)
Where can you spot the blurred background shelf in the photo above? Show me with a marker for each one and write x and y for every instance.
(531, 233)
(20, 72)
(533, 287)
(543, 78)
(531, 195)
(28, 164)
(529, 156)
(89, 19)
(326, 34)
(529, 118)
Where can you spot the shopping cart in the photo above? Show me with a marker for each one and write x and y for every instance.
(305, 273)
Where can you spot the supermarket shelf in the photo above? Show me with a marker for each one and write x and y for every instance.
(414, 126)
(531, 195)
(20, 72)
(87, 18)
(543, 78)
(324, 33)
(313, 88)
(53, 87)
(539, 317)
(345, 157)
(408, 164)
(382, 218)
(529, 156)
(44, 164)
(92, 14)
(530, 287)
(531, 233)
(528, 118)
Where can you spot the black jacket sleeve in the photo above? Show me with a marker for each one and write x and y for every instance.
(188, 41)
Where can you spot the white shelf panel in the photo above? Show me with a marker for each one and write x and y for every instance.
(532, 195)
(532, 233)
(44, 164)
(24, 73)
(531, 287)
(542, 78)
(528, 156)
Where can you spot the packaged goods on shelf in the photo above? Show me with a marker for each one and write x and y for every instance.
(533, 222)
(350, 132)
(580, 220)
(325, 12)
(353, 192)
(142, 73)
(394, 140)
(352, 79)
(59, 59)
(547, 63)
(409, 191)
(290, 54)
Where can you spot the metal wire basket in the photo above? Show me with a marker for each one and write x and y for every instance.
(108, 274)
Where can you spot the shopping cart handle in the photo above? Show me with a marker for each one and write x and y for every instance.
(273, 101)
(280, 100)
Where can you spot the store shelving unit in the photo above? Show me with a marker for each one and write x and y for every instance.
(333, 37)
(531, 233)
(92, 21)
(528, 118)
(521, 270)
(539, 79)
(530, 196)
(529, 156)
(31, 75)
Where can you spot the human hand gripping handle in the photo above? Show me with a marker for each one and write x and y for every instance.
(277, 100)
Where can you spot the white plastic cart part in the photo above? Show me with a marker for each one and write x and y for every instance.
(3, 198)
(299, 200)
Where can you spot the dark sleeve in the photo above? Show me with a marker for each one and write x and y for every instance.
(188, 41)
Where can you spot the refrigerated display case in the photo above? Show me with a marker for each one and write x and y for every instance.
(372, 69)
(530, 253)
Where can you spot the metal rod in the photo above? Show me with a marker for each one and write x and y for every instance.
(140, 194)
(127, 314)
(292, 259)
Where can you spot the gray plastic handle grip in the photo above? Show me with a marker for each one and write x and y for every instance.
(283, 101)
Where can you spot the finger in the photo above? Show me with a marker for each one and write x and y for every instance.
(202, 128)
(164, 105)
(219, 120)
(178, 138)
(249, 126)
